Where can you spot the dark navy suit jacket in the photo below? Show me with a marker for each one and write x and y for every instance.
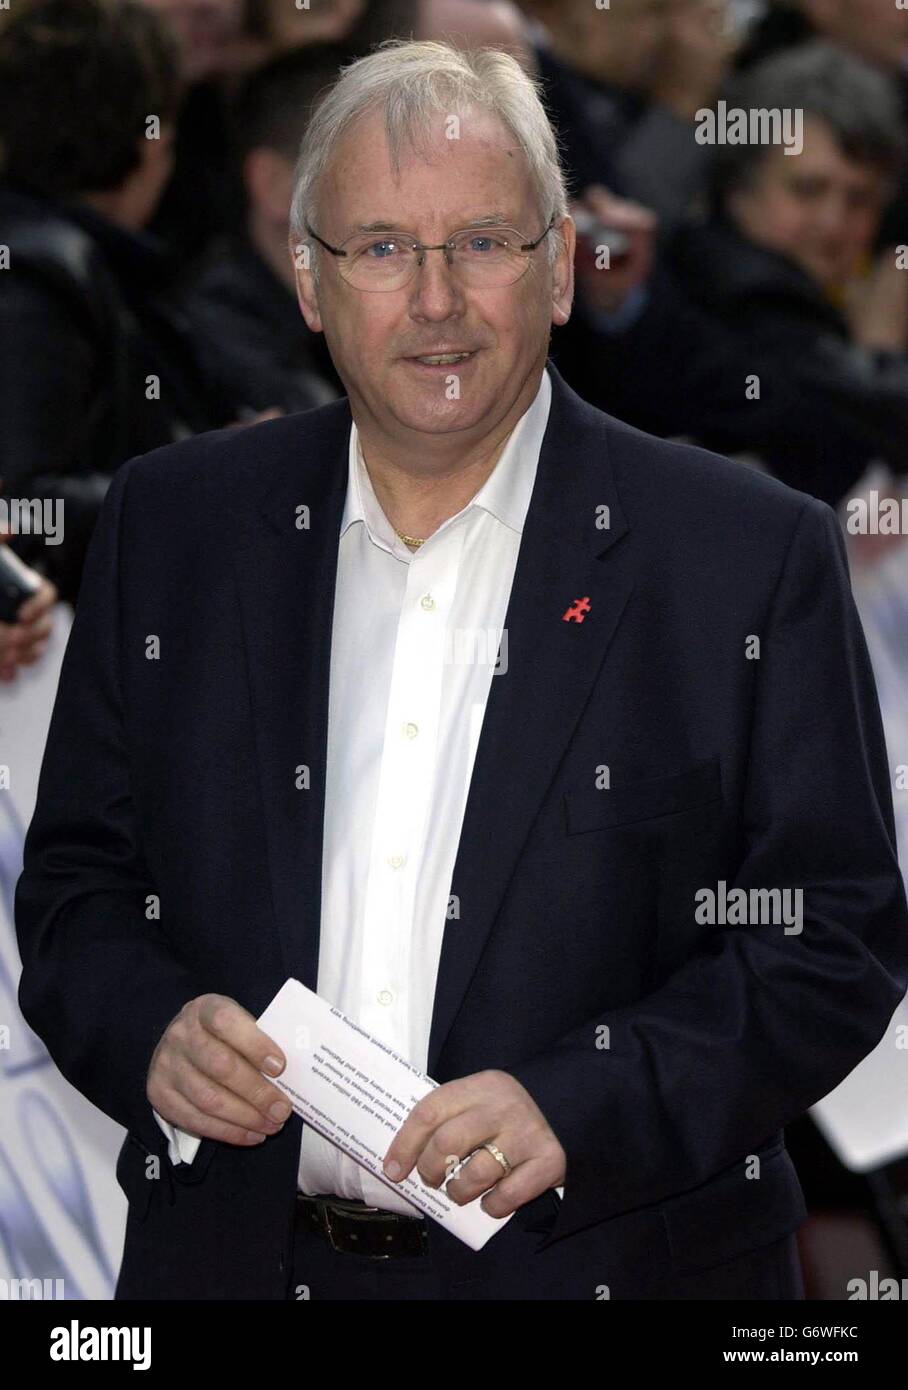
(176, 777)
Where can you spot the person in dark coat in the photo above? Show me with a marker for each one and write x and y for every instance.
(96, 363)
(742, 340)
(242, 303)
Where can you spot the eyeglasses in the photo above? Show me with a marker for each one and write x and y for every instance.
(483, 257)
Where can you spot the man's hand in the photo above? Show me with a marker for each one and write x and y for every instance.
(876, 305)
(456, 1118)
(24, 641)
(205, 1076)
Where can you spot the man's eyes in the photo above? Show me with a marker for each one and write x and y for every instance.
(381, 249)
(480, 242)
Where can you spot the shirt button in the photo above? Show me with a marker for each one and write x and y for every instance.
(396, 860)
(386, 997)
(411, 730)
(427, 602)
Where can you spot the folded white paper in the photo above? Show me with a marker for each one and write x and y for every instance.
(356, 1091)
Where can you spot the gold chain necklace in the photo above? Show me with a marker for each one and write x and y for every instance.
(412, 541)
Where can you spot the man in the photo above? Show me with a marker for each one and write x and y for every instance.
(263, 764)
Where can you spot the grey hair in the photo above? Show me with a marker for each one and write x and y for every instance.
(410, 82)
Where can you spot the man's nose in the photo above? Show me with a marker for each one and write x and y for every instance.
(435, 289)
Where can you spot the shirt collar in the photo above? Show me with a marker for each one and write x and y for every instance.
(505, 494)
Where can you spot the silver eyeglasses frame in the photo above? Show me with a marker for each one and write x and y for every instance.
(420, 248)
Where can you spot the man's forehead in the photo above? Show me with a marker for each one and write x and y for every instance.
(492, 186)
(475, 137)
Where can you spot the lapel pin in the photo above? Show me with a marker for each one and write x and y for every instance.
(577, 611)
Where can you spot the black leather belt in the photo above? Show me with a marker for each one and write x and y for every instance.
(356, 1229)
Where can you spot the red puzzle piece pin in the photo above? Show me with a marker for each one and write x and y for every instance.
(577, 611)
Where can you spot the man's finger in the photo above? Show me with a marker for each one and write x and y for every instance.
(179, 1111)
(233, 1024)
(522, 1185)
(224, 1067)
(224, 1099)
(435, 1109)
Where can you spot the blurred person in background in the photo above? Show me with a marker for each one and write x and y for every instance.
(745, 338)
(210, 34)
(623, 86)
(223, 41)
(874, 30)
(361, 24)
(243, 302)
(96, 364)
(203, 195)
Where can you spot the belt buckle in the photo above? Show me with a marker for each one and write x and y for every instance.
(344, 1247)
(364, 1214)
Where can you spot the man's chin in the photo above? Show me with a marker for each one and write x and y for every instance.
(431, 406)
(438, 417)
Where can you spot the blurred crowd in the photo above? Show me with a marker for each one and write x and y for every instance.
(752, 302)
(727, 293)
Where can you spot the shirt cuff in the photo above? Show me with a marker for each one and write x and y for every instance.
(181, 1147)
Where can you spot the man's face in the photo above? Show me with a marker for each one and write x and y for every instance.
(373, 336)
(819, 208)
(876, 30)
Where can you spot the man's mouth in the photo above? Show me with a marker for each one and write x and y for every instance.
(442, 359)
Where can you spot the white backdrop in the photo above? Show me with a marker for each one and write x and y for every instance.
(62, 1214)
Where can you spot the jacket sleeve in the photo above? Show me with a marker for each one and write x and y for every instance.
(758, 1025)
(99, 982)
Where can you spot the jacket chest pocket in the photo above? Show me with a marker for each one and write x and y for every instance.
(589, 808)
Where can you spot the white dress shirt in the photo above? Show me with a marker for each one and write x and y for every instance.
(414, 644)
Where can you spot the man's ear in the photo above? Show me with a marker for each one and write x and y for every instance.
(306, 291)
(563, 273)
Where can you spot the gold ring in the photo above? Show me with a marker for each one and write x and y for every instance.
(499, 1157)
